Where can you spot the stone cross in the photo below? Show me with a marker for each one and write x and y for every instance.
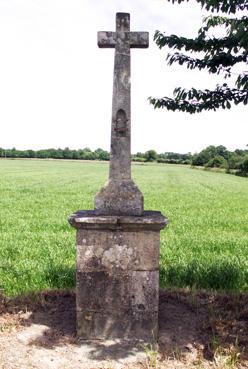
(117, 283)
(120, 195)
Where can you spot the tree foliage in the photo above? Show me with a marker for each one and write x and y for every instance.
(220, 56)
(66, 153)
(219, 157)
(217, 162)
(151, 155)
(243, 166)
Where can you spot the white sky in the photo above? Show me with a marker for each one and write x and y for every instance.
(56, 84)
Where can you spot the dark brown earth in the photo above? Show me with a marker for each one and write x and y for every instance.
(197, 330)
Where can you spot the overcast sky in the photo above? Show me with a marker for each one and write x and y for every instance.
(56, 84)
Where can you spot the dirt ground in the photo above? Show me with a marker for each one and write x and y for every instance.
(196, 330)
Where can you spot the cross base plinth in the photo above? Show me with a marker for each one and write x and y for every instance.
(117, 286)
(119, 198)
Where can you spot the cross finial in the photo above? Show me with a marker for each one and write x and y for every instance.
(122, 22)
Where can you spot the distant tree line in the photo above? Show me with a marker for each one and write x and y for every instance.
(219, 157)
(211, 157)
(66, 153)
(99, 154)
(167, 157)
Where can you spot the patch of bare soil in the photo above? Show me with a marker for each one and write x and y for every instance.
(196, 330)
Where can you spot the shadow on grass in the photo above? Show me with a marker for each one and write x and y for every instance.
(218, 275)
(59, 276)
(190, 322)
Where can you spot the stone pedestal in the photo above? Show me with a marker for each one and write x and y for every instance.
(117, 275)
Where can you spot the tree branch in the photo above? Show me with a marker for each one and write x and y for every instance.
(195, 101)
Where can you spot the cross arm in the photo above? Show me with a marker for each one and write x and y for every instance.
(139, 40)
(106, 39)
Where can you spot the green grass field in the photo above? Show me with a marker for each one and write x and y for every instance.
(204, 246)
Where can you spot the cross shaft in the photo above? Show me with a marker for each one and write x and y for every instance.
(120, 195)
(122, 40)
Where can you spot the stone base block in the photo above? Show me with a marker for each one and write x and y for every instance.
(117, 285)
(94, 325)
(135, 291)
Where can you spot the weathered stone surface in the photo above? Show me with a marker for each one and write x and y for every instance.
(137, 40)
(145, 290)
(120, 195)
(119, 198)
(117, 251)
(99, 291)
(134, 291)
(117, 275)
(88, 219)
(101, 326)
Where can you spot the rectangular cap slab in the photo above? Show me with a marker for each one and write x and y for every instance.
(88, 219)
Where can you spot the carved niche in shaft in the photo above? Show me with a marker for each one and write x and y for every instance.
(121, 123)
